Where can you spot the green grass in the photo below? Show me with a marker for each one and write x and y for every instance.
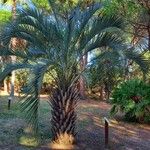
(13, 127)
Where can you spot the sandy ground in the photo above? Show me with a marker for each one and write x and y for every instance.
(122, 136)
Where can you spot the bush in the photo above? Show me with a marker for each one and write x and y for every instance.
(132, 98)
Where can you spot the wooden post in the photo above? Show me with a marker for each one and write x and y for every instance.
(9, 102)
(106, 131)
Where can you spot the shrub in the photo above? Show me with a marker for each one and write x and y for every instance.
(132, 98)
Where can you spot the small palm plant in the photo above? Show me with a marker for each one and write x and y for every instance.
(57, 42)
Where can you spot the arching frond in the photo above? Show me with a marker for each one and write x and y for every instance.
(11, 67)
(106, 39)
(102, 26)
(79, 19)
(31, 92)
(139, 59)
(4, 51)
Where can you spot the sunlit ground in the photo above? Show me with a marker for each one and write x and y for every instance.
(15, 134)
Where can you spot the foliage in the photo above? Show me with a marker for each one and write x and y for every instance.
(4, 17)
(43, 4)
(21, 78)
(136, 15)
(133, 98)
(105, 69)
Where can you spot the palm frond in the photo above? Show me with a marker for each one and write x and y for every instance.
(79, 18)
(139, 59)
(34, 28)
(46, 25)
(102, 25)
(5, 51)
(31, 93)
(11, 67)
(106, 39)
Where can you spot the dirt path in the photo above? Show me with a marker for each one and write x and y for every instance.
(123, 136)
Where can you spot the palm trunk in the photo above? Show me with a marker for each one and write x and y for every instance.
(63, 121)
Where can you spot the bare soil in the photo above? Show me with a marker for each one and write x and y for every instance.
(122, 135)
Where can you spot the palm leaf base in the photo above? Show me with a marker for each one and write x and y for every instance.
(63, 121)
(64, 141)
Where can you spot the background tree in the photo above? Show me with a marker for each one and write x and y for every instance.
(4, 18)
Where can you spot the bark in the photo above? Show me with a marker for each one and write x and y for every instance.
(102, 93)
(63, 102)
(82, 82)
(82, 87)
(5, 86)
(107, 91)
(148, 29)
(14, 9)
(13, 46)
(12, 85)
(107, 95)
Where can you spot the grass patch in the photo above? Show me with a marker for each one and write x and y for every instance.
(29, 141)
(13, 127)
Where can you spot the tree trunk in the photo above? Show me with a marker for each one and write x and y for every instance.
(5, 86)
(63, 102)
(148, 36)
(107, 91)
(101, 93)
(13, 46)
(12, 85)
(82, 86)
(107, 95)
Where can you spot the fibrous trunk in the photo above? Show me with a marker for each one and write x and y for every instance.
(64, 101)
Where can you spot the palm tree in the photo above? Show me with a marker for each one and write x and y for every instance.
(57, 42)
